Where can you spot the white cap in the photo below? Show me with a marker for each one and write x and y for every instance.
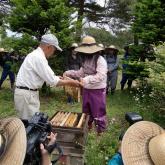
(51, 40)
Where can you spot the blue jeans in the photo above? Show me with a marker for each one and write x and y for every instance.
(126, 77)
(4, 75)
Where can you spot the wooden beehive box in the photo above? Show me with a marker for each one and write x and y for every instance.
(72, 139)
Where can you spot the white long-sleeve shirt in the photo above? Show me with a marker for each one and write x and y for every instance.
(35, 71)
(96, 81)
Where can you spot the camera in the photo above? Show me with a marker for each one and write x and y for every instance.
(37, 130)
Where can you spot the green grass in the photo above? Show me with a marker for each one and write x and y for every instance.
(117, 104)
(98, 150)
(161, 49)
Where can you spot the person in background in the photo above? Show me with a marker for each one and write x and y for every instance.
(32, 74)
(6, 64)
(93, 77)
(113, 64)
(102, 52)
(1, 56)
(73, 63)
(125, 77)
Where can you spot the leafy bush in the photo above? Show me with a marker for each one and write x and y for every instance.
(100, 149)
(150, 95)
(136, 62)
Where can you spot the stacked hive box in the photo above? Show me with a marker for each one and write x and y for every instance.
(72, 134)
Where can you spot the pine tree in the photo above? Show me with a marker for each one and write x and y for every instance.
(150, 20)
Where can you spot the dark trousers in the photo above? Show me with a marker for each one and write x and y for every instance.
(126, 77)
(4, 75)
(112, 81)
(94, 104)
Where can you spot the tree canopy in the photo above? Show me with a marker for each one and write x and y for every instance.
(37, 17)
(149, 21)
(120, 39)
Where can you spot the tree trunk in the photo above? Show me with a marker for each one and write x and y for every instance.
(79, 21)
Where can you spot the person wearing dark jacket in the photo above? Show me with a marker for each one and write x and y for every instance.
(6, 64)
(73, 63)
(125, 77)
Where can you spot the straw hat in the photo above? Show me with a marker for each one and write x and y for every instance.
(12, 141)
(112, 47)
(101, 45)
(74, 45)
(144, 144)
(88, 46)
(2, 50)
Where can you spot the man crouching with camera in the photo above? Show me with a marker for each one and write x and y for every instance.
(13, 143)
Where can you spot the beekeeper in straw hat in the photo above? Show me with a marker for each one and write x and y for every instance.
(93, 75)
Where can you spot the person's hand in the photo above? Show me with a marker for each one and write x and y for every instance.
(43, 150)
(61, 77)
(74, 83)
(81, 82)
(45, 156)
(64, 74)
(52, 140)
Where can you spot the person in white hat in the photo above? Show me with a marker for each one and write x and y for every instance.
(33, 72)
(93, 75)
(113, 64)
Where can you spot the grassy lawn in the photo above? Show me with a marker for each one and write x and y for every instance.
(98, 150)
(117, 104)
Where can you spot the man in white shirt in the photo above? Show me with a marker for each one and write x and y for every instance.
(33, 73)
